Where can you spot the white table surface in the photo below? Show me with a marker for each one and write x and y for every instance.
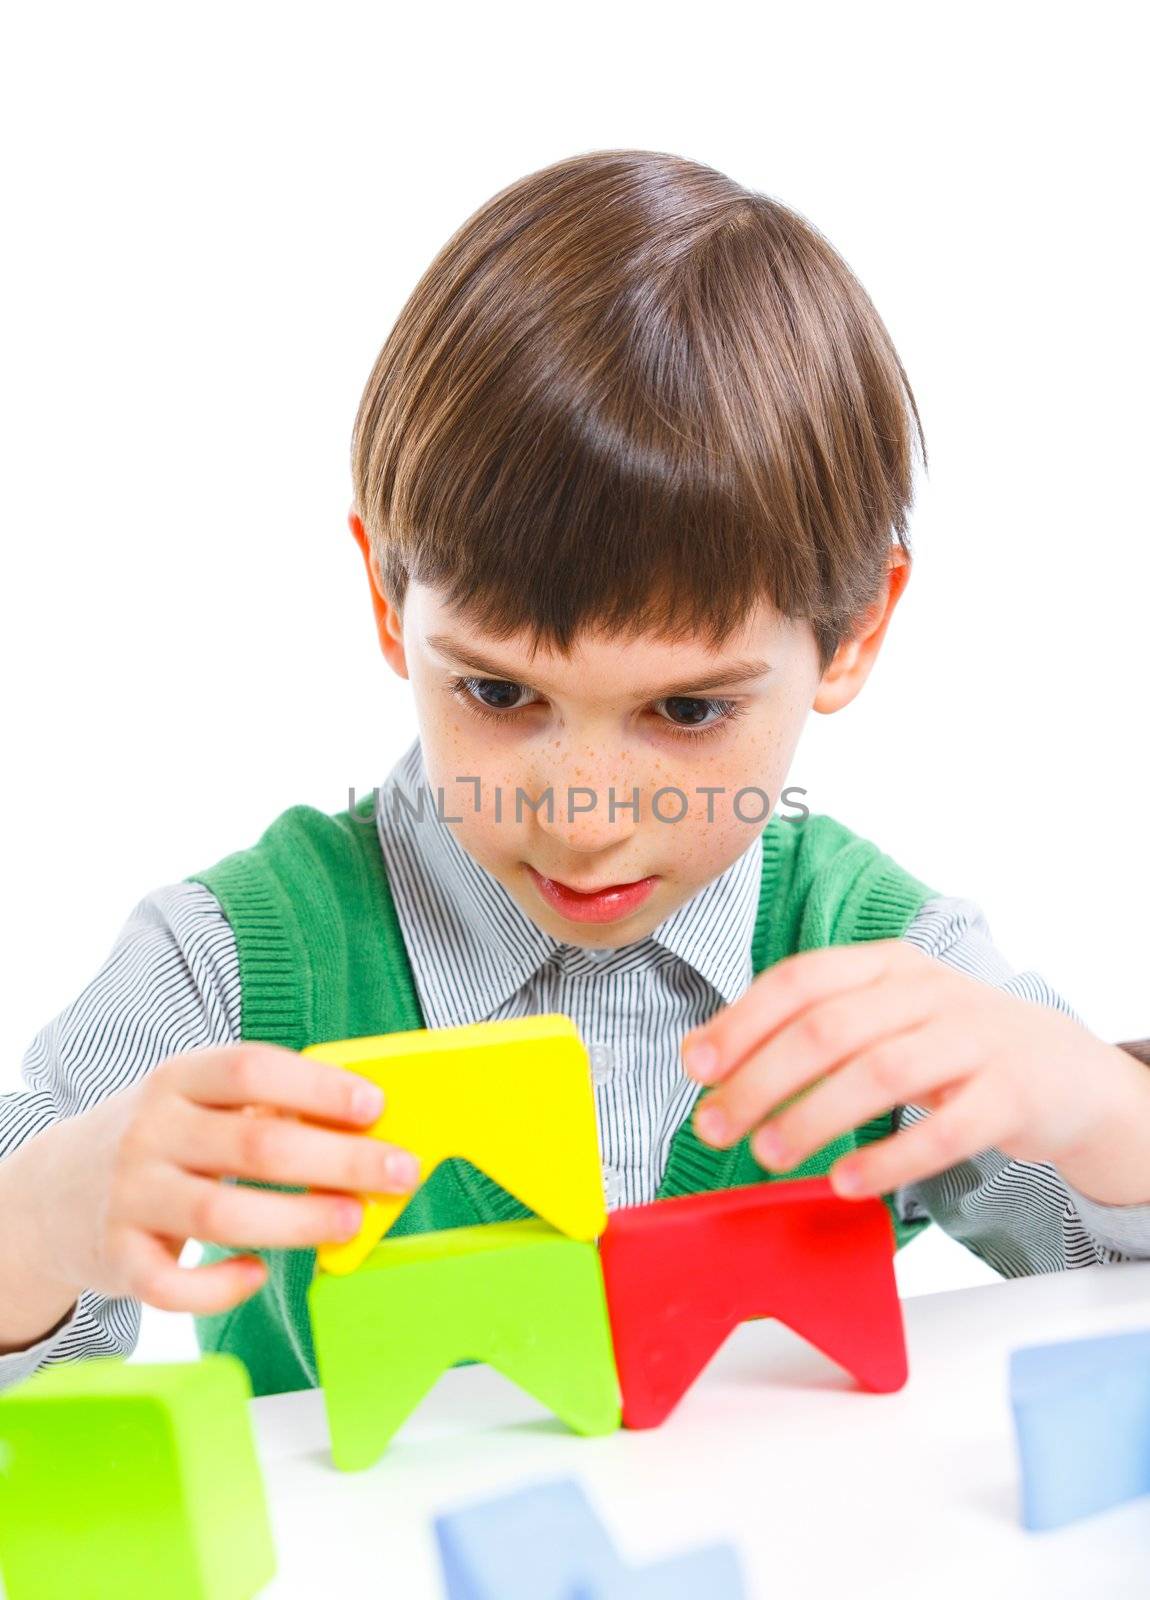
(825, 1489)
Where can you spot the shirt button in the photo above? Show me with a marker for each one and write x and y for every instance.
(612, 1185)
(602, 1059)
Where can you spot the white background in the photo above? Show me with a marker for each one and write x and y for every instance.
(214, 214)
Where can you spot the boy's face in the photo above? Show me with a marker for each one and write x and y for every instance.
(500, 727)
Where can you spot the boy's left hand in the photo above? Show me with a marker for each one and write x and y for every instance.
(881, 1024)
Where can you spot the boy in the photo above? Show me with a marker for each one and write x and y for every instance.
(626, 473)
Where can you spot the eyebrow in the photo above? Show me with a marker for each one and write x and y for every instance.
(734, 672)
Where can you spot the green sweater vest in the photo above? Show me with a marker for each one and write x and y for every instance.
(322, 957)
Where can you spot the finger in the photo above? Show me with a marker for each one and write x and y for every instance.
(265, 1074)
(968, 1123)
(781, 992)
(811, 1045)
(285, 1150)
(155, 1277)
(900, 1069)
(191, 1207)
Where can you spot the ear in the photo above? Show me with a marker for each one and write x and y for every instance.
(854, 658)
(388, 622)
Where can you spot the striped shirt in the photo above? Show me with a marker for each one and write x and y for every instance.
(171, 983)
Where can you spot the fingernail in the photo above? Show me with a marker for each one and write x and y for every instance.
(769, 1148)
(711, 1124)
(350, 1219)
(402, 1170)
(701, 1060)
(367, 1102)
(846, 1181)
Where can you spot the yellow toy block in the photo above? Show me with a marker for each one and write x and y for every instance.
(514, 1098)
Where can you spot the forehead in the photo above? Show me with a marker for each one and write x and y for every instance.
(599, 663)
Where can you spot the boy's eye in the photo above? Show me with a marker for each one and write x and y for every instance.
(490, 694)
(689, 715)
(686, 712)
(692, 710)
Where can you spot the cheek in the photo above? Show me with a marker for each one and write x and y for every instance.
(757, 758)
(478, 783)
(702, 848)
(750, 773)
(745, 774)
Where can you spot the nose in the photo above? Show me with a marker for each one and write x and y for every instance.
(589, 804)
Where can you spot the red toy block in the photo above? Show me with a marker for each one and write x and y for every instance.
(682, 1273)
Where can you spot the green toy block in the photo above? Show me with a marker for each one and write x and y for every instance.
(134, 1481)
(520, 1296)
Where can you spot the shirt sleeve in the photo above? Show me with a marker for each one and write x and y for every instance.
(1019, 1217)
(171, 983)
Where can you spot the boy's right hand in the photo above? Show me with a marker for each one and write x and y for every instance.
(119, 1189)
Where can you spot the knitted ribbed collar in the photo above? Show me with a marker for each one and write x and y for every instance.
(445, 899)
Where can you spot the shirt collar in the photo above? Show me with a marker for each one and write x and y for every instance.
(473, 946)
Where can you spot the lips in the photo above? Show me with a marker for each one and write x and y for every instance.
(602, 888)
(608, 903)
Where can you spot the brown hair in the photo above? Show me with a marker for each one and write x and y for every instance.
(630, 394)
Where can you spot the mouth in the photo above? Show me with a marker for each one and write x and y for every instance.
(604, 903)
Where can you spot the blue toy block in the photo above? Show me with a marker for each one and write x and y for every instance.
(542, 1542)
(713, 1571)
(1082, 1421)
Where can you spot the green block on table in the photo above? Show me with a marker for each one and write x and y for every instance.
(133, 1481)
(520, 1296)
